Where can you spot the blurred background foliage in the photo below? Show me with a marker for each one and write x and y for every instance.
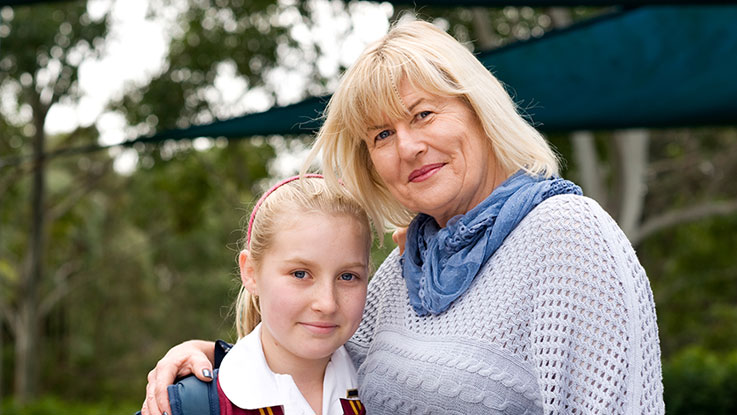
(102, 270)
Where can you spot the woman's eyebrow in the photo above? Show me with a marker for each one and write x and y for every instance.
(409, 109)
(376, 127)
(418, 102)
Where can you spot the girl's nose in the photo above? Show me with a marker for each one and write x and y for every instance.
(324, 299)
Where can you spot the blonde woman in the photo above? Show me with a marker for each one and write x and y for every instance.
(515, 294)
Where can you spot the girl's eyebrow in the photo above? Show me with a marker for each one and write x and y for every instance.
(356, 265)
(305, 262)
(298, 260)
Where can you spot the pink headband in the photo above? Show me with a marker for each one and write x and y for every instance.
(270, 191)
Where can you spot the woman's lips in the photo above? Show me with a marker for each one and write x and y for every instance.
(424, 172)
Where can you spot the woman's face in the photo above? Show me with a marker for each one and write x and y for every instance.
(437, 160)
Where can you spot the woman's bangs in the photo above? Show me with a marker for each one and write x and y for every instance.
(376, 100)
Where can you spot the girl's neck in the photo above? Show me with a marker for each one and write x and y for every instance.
(308, 374)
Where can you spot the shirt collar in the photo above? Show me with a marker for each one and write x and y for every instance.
(248, 382)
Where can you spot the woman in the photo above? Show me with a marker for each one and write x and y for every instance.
(515, 294)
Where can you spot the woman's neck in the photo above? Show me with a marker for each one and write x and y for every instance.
(308, 374)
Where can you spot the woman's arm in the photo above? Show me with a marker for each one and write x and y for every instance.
(593, 330)
(191, 357)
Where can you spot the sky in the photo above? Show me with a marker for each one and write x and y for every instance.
(137, 46)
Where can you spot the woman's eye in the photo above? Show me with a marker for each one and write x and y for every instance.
(347, 276)
(423, 114)
(300, 274)
(383, 135)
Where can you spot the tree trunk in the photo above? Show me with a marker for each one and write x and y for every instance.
(27, 319)
(584, 148)
(2, 353)
(588, 163)
(485, 36)
(632, 158)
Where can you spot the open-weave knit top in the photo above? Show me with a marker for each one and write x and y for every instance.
(560, 320)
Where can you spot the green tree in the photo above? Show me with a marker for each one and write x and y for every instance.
(84, 250)
(42, 48)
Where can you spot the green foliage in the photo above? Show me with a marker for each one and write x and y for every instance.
(205, 35)
(699, 381)
(693, 273)
(48, 40)
(143, 261)
(53, 405)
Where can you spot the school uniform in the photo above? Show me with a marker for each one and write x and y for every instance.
(246, 382)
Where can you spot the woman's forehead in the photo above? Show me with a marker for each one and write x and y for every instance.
(382, 109)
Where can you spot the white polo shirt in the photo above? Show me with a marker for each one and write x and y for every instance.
(247, 381)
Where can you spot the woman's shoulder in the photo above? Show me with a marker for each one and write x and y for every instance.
(575, 207)
(573, 216)
(576, 233)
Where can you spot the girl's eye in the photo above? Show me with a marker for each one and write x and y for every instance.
(347, 276)
(300, 274)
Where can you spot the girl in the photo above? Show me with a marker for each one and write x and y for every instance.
(304, 271)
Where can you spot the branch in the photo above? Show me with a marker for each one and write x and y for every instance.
(229, 196)
(9, 315)
(685, 215)
(61, 277)
(12, 177)
(68, 202)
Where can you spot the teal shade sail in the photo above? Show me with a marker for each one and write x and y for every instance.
(655, 66)
(649, 67)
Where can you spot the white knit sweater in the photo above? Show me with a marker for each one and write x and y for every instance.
(560, 320)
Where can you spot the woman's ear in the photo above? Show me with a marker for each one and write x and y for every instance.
(248, 271)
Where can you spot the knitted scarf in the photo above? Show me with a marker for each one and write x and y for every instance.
(439, 264)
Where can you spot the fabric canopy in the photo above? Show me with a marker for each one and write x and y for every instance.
(550, 3)
(655, 66)
(650, 67)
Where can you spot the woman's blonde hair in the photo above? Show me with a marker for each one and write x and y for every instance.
(430, 60)
(288, 199)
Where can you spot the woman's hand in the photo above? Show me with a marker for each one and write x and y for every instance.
(399, 237)
(191, 357)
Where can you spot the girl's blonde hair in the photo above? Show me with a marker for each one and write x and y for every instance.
(430, 60)
(289, 199)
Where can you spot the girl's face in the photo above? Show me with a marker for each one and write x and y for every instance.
(311, 285)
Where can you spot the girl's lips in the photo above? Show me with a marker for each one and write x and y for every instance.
(424, 172)
(319, 328)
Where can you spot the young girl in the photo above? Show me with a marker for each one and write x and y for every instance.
(304, 270)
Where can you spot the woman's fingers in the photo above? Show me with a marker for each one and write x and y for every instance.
(150, 405)
(159, 379)
(399, 237)
(191, 357)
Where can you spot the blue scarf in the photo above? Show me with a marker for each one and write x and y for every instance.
(439, 264)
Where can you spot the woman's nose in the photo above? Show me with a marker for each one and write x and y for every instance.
(410, 144)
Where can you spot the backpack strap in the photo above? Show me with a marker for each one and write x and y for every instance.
(191, 396)
(221, 349)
